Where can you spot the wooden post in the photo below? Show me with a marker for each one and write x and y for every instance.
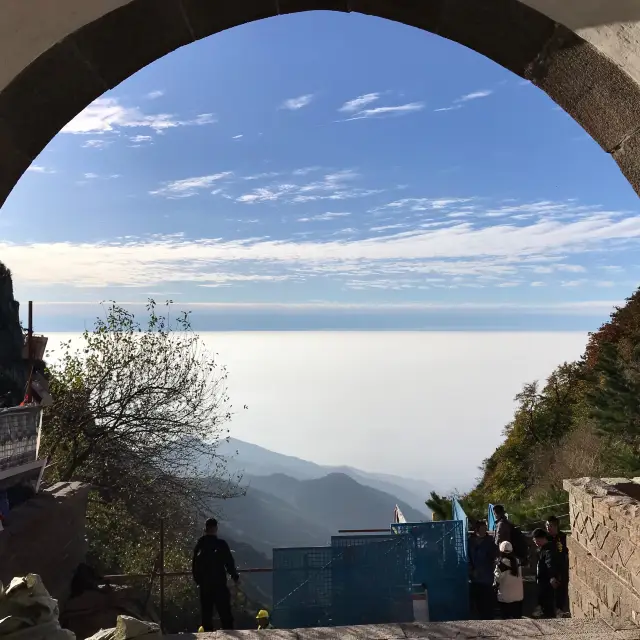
(161, 574)
(30, 352)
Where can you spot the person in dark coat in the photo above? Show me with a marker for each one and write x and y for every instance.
(482, 564)
(547, 573)
(559, 541)
(212, 561)
(502, 527)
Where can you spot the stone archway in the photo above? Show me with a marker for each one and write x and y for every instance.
(59, 56)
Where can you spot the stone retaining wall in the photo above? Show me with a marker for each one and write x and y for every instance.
(604, 548)
(47, 536)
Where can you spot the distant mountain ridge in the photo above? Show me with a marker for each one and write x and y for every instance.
(281, 511)
(291, 502)
(254, 460)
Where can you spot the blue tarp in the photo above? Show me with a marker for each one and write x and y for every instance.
(491, 519)
(459, 514)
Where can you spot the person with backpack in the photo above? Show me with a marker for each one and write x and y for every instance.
(508, 582)
(482, 562)
(502, 527)
(506, 531)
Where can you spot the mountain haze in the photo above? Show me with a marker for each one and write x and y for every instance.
(281, 511)
(253, 460)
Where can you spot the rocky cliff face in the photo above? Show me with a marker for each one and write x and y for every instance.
(13, 376)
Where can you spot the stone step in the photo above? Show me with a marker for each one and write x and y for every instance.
(525, 629)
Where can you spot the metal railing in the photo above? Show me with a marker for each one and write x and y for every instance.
(159, 572)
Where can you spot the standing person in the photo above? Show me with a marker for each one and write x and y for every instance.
(547, 573)
(508, 580)
(482, 562)
(503, 526)
(559, 541)
(212, 561)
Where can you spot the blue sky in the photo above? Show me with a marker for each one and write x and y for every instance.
(325, 171)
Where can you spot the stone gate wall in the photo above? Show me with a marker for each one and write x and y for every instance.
(604, 548)
(47, 535)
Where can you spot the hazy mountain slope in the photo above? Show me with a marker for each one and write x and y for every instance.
(286, 512)
(343, 503)
(335, 501)
(265, 521)
(413, 492)
(254, 460)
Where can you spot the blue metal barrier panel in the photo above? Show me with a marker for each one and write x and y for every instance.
(371, 580)
(301, 587)
(437, 552)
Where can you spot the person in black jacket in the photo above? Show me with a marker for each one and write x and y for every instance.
(547, 573)
(559, 540)
(212, 561)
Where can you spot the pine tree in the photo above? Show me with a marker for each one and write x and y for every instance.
(441, 507)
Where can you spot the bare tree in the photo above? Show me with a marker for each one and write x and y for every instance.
(140, 411)
(578, 454)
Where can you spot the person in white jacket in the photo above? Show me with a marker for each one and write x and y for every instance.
(508, 580)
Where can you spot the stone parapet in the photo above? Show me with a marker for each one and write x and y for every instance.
(498, 629)
(604, 547)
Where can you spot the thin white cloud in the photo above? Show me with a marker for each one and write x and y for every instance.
(108, 115)
(383, 112)
(37, 168)
(154, 95)
(293, 104)
(90, 176)
(323, 217)
(421, 204)
(199, 120)
(387, 227)
(140, 139)
(188, 187)
(483, 255)
(237, 137)
(357, 104)
(96, 144)
(459, 102)
(475, 95)
(455, 107)
(262, 176)
(303, 171)
(333, 186)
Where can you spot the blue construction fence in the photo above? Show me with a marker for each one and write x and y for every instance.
(372, 579)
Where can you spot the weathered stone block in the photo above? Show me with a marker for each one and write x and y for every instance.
(625, 551)
(633, 564)
(601, 534)
(611, 545)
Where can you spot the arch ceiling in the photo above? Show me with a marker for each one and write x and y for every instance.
(57, 57)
